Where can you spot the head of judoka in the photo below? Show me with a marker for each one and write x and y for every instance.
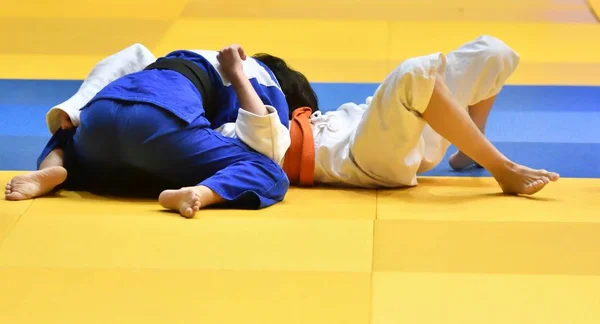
(296, 88)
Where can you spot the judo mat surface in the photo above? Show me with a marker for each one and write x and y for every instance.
(452, 250)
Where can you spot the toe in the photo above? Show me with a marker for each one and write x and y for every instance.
(552, 176)
(537, 186)
(196, 204)
(14, 196)
(188, 212)
(532, 187)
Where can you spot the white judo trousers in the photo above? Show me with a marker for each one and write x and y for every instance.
(385, 142)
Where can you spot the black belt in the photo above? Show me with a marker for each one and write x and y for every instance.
(196, 75)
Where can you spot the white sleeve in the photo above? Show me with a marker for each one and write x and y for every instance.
(265, 134)
(132, 59)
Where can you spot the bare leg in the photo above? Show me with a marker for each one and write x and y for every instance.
(479, 114)
(187, 201)
(55, 158)
(38, 183)
(447, 118)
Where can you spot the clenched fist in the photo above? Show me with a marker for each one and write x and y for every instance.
(231, 58)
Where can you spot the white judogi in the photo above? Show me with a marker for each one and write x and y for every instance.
(381, 143)
(129, 60)
(384, 142)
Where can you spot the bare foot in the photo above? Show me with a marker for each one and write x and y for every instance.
(35, 184)
(460, 161)
(185, 200)
(519, 179)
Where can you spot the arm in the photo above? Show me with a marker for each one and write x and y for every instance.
(257, 124)
(129, 60)
(231, 58)
(249, 99)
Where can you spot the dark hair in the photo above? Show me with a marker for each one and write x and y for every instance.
(296, 88)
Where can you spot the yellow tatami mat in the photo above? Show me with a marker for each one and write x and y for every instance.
(480, 298)
(408, 10)
(329, 41)
(595, 7)
(464, 226)
(10, 212)
(451, 250)
(350, 51)
(122, 234)
(100, 296)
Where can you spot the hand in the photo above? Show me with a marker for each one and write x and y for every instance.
(65, 120)
(231, 58)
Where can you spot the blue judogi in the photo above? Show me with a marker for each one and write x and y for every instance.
(147, 132)
(171, 91)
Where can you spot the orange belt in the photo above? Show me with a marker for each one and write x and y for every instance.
(299, 163)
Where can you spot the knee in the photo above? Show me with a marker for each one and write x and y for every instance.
(411, 84)
(498, 54)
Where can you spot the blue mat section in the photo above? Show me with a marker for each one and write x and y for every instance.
(552, 127)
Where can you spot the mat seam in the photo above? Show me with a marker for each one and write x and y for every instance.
(15, 224)
(372, 273)
(593, 11)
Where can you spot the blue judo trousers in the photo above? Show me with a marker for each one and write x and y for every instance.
(147, 132)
